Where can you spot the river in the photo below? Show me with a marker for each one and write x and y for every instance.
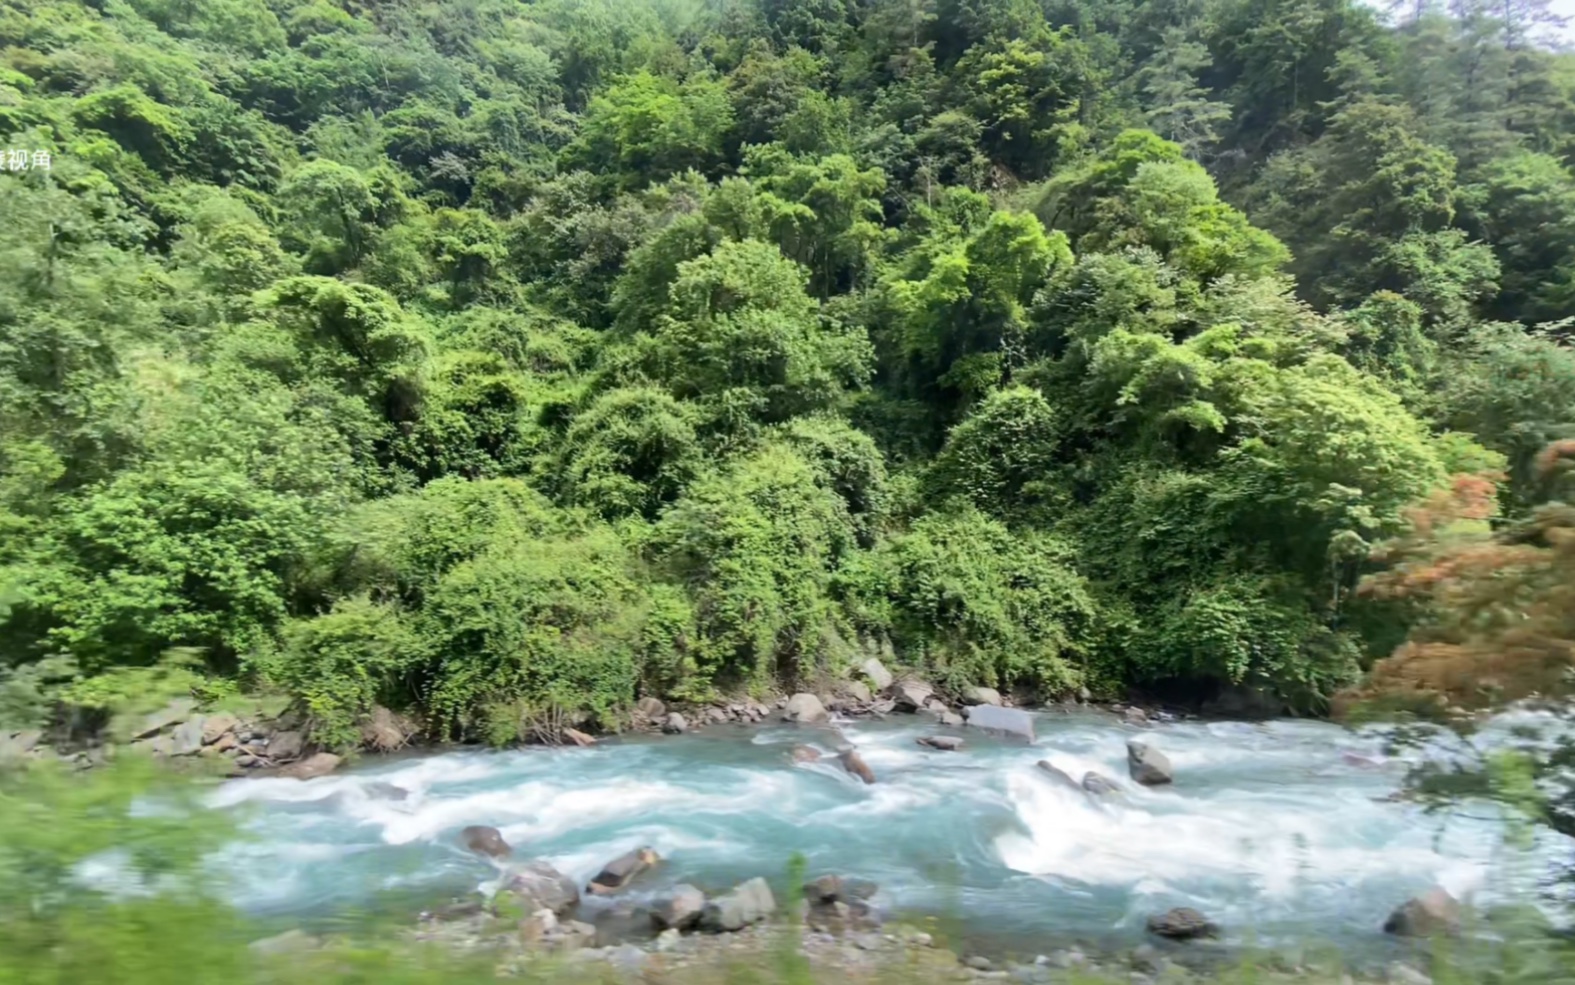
(1270, 829)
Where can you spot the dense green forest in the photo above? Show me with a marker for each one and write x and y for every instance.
(480, 357)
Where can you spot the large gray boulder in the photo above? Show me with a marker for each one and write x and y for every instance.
(805, 709)
(186, 738)
(1432, 913)
(912, 696)
(1148, 765)
(680, 910)
(748, 903)
(536, 885)
(285, 745)
(1011, 722)
(880, 677)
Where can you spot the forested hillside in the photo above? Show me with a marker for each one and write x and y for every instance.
(475, 357)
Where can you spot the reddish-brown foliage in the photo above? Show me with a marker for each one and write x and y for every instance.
(1501, 606)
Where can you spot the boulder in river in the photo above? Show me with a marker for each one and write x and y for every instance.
(805, 754)
(536, 885)
(1148, 765)
(1098, 785)
(911, 696)
(1182, 924)
(680, 910)
(483, 839)
(806, 709)
(983, 696)
(880, 677)
(1059, 776)
(1432, 913)
(675, 724)
(945, 743)
(618, 873)
(748, 903)
(855, 764)
(1012, 722)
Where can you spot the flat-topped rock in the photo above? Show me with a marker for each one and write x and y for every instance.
(1010, 722)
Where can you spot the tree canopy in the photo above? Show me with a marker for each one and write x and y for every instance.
(486, 359)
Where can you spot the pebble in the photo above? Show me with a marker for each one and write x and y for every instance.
(978, 962)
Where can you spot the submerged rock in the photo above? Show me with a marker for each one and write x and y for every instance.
(1012, 722)
(1181, 924)
(945, 743)
(748, 903)
(1059, 776)
(1099, 786)
(483, 839)
(806, 709)
(855, 764)
(805, 754)
(618, 873)
(1148, 765)
(1430, 914)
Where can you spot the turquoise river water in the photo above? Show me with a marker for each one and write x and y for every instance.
(1278, 831)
